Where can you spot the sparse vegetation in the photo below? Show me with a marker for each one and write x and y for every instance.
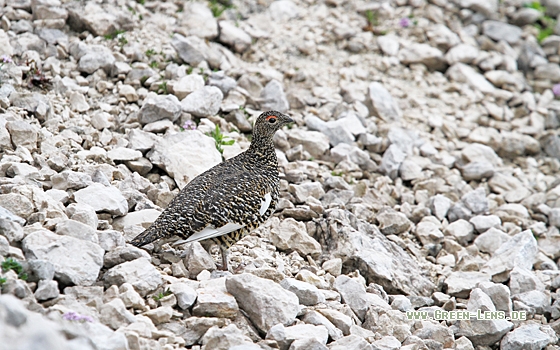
(220, 139)
(162, 295)
(14, 265)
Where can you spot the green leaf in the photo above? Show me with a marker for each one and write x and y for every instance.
(228, 143)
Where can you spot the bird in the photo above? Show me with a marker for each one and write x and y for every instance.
(227, 201)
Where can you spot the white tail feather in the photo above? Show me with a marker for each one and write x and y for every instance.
(210, 232)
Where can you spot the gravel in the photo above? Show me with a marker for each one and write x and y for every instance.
(420, 173)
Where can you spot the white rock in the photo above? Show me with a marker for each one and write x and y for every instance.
(292, 235)
(185, 155)
(265, 302)
(187, 85)
(70, 268)
(139, 272)
(102, 198)
(234, 36)
(203, 102)
(462, 73)
(307, 293)
(381, 104)
(520, 251)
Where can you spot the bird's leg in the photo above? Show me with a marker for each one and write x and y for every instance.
(224, 251)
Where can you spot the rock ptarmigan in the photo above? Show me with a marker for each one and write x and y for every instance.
(229, 200)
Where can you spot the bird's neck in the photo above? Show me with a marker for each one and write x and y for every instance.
(263, 148)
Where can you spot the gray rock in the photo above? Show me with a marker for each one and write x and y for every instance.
(290, 234)
(194, 50)
(460, 283)
(159, 107)
(187, 85)
(197, 260)
(185, 155)
(476, 201)
(185, 294)
(83, 213)
(381, 104)
(333, 266)
(96, 57)
(462, 53)
(317, 319)
(307, 293)
(425, 54)
(337, 318)
(521, 251)
(215, 303)
(439, 206)
(70, 180)
(239, 120)
(265, 302)
(350, 342)
(22, 134)
(354, 294)
(491, 240)
(222, 82)
(203, 102)
(46, 290)
(77, 229)
(462, 231)
(392, 222)
(389, 44)
(529, 336)
(499, 294)
(197, 19)
(286, 336)
(198, 326)
(521, 281)
(314, 142)
(533, 300)
(93, 18)
(123, 154)
(11, 229)
(122, 254)
(524, 16)
(114, 314)
(102, 199)
(234, 36)
(38, 270)
(17, 204)
(139, 272)
(497, 31)
(392, 160)
(366, 248)
(477, 171)
(224, 338)
(483, 223)
(70, 268)
(160, 315)
(342, 130)
(273, 97)
(463, 73)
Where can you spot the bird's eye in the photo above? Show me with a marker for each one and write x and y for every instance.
(271, 120)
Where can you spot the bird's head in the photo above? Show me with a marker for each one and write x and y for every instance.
(268, 123)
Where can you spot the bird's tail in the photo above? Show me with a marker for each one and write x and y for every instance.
(146, 237)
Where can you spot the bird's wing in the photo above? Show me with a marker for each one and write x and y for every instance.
(210, 232)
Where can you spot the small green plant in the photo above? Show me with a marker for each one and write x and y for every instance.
(122, 40)
(143, 79)
(150, 52)
(2, 281)
(141, 2)
(372, 18)
(337, 173)
(162, 295)
(163, 88)
(535, 5)
(12, 264)
(114, 34)
(153, 64)
(218, 8)
(545, 24)
(189, 70)
(219, 139)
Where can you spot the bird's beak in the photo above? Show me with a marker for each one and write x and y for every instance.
(289, 120)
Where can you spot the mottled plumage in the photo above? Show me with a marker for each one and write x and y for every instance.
(229, 200)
